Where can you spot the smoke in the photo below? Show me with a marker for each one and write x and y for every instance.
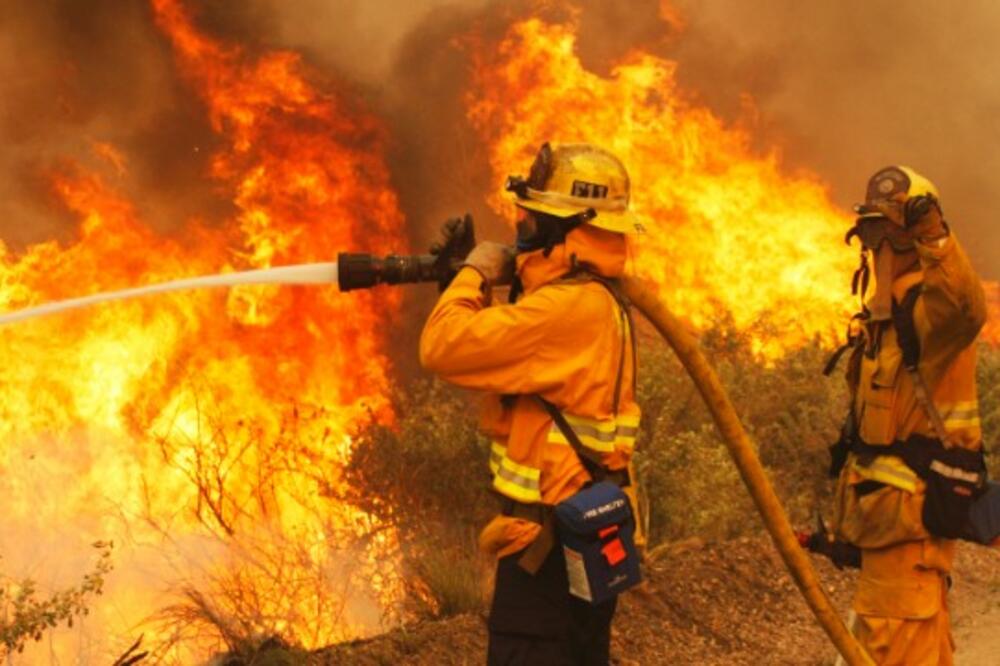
(839, 88)
(849, 87)
(412, 60)
(75, 75)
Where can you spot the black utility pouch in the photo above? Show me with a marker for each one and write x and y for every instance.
(954, 481)
(984, 516)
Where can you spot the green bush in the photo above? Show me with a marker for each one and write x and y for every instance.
(989, 405)
(427, 474)
(25, 617)
(790, 409)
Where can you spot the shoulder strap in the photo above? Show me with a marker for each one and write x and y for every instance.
(582, 273)
(614, 289)
(906, 328)
(909, 343)
(593, 466)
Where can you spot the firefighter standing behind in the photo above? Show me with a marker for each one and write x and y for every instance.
(567, 338)
(910, 456)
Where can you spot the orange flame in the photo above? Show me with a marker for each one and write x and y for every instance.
(728, 232)
(204, 431)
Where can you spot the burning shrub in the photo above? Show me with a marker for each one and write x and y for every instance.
(426, 476)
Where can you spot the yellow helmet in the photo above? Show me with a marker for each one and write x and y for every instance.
(889, 189)
(577, 179)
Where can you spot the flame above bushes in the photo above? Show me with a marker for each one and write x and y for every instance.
(728, 234)
(211, 425)
(205, 431)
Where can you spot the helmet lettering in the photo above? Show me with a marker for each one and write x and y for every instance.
(589, 190)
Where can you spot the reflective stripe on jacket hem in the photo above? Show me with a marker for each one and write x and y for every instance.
(889, 470)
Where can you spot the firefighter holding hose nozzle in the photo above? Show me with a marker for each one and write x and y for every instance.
(558, 366)
(909, 461)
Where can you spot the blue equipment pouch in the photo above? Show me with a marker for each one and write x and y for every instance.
(597, 532)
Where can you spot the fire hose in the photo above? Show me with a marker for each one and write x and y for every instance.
(742, 450)
(359, 271)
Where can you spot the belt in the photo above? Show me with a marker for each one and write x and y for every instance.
(543, 515)
(535, 513)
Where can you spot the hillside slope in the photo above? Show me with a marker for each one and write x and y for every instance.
(727, 603)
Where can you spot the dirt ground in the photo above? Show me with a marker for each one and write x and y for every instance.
(729, 603)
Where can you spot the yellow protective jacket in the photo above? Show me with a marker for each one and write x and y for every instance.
(567, 340)
(902, 563)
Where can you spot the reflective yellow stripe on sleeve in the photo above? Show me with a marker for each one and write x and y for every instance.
(512, 479)
(601, 436)
(960, 415)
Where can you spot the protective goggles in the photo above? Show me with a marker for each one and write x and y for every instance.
(873, 231)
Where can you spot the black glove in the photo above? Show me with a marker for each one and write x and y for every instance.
(821, 542)
(923, 218)
(458, 238)
(917, 207)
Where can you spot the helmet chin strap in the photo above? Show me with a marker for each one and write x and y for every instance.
(551, 231)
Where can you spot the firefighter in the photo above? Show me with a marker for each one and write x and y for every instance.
(910, 457)
(567, 337)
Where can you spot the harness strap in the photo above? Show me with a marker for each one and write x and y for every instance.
(535, 513)
(925, 455)
(614, 289)
(831, 363)
(853, 340)
(592, 464)
(534, 555)
(537, 552)
(909, 343)
(923, 396)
